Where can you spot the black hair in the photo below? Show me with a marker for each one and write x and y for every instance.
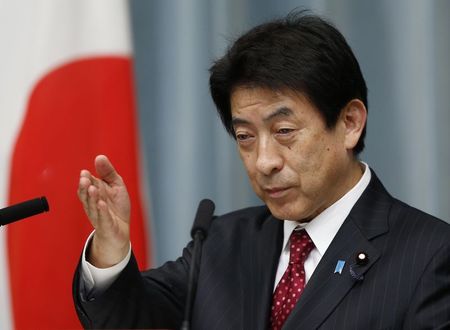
(301, 52)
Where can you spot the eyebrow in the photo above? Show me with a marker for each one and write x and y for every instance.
(239, 121)
(280, 112)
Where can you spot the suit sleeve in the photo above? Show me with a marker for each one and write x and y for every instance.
(151, 299)
(430, 305)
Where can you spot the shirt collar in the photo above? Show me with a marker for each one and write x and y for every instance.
(324, 227)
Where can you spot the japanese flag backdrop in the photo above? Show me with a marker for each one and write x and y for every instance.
(66, 95)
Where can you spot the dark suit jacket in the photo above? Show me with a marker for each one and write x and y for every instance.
(405, 284)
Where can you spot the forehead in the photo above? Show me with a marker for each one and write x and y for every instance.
(253, 101)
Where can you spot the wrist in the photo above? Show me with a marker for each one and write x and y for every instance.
(103, 254)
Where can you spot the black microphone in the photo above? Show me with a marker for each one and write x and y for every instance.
(203, 219)
(199, 232)
(23, 210)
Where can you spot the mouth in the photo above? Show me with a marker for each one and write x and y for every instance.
(277, 192)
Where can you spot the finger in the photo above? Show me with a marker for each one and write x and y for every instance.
(86, 180)
(106, 171)
(103, 215)
(92, 179)
(85, 173)
(92, 201)
(82, 191)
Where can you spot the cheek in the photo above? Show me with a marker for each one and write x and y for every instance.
(309, 156)
(248, 162)
(250, 166)
(313, 163)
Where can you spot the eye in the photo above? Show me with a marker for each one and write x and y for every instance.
(242, 136)
(284, 131)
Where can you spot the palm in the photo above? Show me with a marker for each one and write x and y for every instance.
(118, 202)
(106, 202)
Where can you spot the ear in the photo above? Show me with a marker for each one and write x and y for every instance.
(353, 117)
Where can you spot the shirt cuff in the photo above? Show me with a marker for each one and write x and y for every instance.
(97, 280)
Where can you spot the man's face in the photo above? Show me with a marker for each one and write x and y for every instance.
(296, 165)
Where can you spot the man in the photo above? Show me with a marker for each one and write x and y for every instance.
(331, 249)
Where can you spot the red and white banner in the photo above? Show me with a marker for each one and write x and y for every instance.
(66, 95)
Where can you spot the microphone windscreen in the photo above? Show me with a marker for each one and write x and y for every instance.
(203, 217)
(23, 210)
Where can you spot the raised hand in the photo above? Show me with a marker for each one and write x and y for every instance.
(106, 203)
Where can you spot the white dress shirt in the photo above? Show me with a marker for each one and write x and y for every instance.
(97, 280)
(321, 230)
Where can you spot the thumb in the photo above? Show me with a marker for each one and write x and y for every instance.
(105, 170)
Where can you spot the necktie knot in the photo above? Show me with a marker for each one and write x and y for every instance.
(300, 246)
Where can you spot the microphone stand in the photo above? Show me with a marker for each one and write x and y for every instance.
(199, 232)
(192, 282)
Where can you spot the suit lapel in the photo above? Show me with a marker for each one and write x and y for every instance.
(260, 259)
(326, 288)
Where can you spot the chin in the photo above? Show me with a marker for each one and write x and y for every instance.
(282, 213)
(289, 212)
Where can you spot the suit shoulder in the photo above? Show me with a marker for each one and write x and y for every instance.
(425, 224)
(404, 210)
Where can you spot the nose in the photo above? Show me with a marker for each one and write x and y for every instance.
(269, 159)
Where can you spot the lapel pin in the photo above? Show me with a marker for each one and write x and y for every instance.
(339, 267)
(362, 258)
